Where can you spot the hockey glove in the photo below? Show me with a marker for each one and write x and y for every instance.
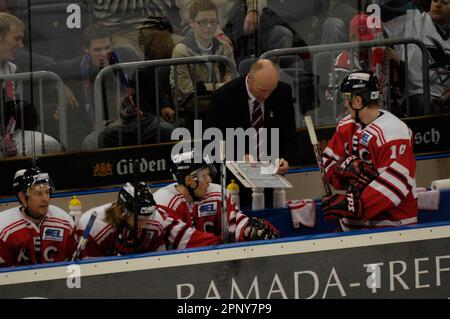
(355, 172)
(341, 205)
(260, 229)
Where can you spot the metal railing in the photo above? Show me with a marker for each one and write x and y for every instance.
(98, 96)
(277, 53)
(39, 76)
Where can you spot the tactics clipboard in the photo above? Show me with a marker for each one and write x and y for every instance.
(257, 175)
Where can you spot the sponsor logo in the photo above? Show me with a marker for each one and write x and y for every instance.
(209, 209)
(102, 169)
(432, 136)
(125, 166)
(54, 234)
(365, 139)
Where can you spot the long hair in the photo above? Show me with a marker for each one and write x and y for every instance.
(116, 215)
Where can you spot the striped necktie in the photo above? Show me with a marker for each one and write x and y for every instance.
(257, 124)
(257, 116)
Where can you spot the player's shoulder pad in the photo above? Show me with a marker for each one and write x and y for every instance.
(214, 192)
(168, 196)
(9, 217)
(348, 120)
(389, 128)
(57, 212)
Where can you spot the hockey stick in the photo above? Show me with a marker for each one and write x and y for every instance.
(317, 152)
(82, 244)
(136, 177)
(223, 179)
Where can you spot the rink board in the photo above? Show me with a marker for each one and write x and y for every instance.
(107, 167)
(413, 262)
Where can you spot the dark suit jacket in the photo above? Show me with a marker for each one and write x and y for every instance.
(229, 109)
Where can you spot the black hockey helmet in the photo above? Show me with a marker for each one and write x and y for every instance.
(25, 178)
(362, 83)
(189, 163)
(145, 203)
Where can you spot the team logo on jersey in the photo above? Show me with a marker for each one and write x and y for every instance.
(439, 59)
(208, 209)
(54, 234)
(365, 138)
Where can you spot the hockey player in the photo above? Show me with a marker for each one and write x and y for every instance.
(114, 232)
(198, 202)
(35, 232)
(370, 155)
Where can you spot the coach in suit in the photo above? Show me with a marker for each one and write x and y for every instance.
(257, 100)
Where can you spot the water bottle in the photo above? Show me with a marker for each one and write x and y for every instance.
(233, 191)
(75, 209)
(258, 198)
(279, 197)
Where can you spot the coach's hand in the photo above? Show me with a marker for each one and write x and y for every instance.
(341, 205)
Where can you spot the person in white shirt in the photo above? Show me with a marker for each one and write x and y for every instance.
(14, 141)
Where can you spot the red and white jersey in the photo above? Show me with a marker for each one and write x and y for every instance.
(161, 232)
(204, 215)
(386, 143)
(22, 242)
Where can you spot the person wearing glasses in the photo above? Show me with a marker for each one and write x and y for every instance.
(202, 40)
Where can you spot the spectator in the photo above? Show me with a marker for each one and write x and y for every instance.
(21, 137)
(155, 39)
(124, 21)
(371, 156)
(79, 75)
(157, 47)
(254, 23)
(345, 63)
(223, 7)
(11, 37)
(35, 232)
(13, 139)
(432, 28)
(203, 16)
(197, 202)
(335, 27)
(114, 231)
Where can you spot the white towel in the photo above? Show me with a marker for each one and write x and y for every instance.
(303, 212)
(428, 199)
